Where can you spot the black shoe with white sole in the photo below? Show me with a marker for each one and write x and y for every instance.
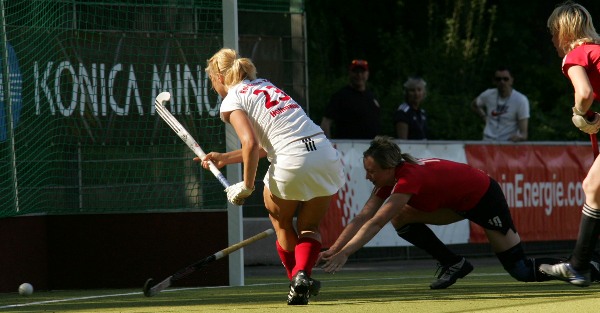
(450, 273)
(299, 289)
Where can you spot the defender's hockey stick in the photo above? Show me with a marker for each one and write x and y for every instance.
(590, 115)
(594, 141)
(151, 289)
(184, 135)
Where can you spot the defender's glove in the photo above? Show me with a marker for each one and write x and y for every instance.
(586, 124)
(237, 193)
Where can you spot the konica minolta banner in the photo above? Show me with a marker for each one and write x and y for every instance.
(101, 85)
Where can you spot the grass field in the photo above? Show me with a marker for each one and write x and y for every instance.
(376, 289)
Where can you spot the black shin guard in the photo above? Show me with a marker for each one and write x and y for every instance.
(522, 268)
(423, 237)
(516, 264)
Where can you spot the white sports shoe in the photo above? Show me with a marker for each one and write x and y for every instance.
(565, 272)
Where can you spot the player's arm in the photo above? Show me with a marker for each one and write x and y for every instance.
(388, 210)
(584, 97)
(250, 152)
(222, 159)
(584, 93)
(367, 212)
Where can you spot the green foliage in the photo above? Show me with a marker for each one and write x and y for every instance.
(455, 46)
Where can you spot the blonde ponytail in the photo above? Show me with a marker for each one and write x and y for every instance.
(234, 69)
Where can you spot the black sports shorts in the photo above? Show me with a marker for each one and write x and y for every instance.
(491, 212)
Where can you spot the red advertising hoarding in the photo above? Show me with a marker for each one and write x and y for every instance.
(542, 185)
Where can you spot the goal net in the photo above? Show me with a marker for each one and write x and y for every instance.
(78, 129)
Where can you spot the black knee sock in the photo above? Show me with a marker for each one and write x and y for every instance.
(423, 237)
(522, 268)
(511, 256)
(589, 229)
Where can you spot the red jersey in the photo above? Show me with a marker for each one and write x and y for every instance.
(439, 184)
(587, 56)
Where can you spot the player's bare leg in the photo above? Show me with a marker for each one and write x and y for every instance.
(577, 270)
(409, 215)
(502, 242)
(299, 249)
(310, 215)
(589, 228)
(281, 214)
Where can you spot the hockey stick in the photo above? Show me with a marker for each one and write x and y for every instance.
(590, 115)
(594, 141)
(184, 135)
(151, 289)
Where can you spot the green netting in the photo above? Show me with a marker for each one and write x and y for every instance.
(295, 6)
(82, 77)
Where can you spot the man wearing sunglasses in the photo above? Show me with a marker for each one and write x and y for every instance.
(353, 111)
(504, 110)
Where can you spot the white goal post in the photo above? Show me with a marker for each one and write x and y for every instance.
(235, 221)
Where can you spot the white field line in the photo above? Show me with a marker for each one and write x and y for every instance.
(216, 287)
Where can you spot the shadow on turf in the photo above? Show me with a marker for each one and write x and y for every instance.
(334, 292)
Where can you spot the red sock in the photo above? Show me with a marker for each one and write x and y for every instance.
(307, 252)
(288, 259)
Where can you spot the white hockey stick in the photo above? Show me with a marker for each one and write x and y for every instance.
(184, 135)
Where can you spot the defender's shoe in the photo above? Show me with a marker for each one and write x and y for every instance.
(314, 288)
(565, 272)
(299, 288)
(450, 273)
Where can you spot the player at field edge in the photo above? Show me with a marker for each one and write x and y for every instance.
(305, 169)
(578, 43)
(433, 191)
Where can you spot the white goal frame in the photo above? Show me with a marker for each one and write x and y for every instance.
(235, 223)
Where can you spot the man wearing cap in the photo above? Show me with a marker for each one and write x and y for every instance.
(353, 112)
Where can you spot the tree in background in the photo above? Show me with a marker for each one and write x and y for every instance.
(454, 45)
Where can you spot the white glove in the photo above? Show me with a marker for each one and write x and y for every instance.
(237, 193)
(585, 125)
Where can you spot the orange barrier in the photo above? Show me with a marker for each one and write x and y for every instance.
(542, 185)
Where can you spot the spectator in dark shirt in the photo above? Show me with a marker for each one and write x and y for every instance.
(353, 111)
(410, 120)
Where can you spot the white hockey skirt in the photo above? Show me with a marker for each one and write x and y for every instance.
(306, 169)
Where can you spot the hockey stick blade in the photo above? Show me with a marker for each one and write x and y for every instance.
(150, 289)
(184, 134)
